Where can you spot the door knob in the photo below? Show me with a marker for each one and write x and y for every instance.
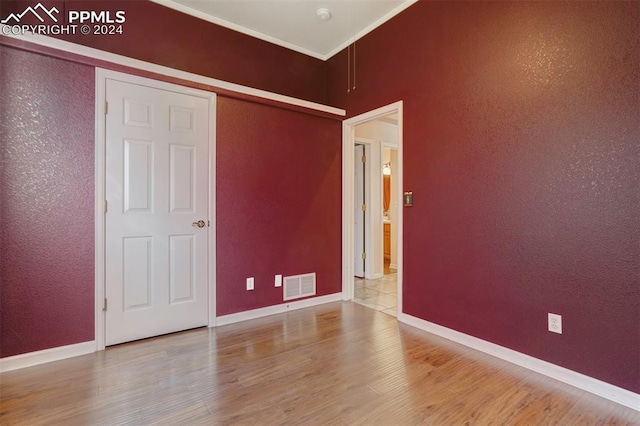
(199, 224)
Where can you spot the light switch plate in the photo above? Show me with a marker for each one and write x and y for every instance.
(278, 281)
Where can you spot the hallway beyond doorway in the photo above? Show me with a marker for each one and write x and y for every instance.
(380, 294)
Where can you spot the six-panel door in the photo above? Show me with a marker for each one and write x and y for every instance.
(157, 158)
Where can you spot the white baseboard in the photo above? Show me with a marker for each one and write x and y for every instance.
(47, 355)
(393, 266)
(277, 309)
(63, 352)
(586, 383)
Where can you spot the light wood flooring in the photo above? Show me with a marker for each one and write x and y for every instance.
(335, 364)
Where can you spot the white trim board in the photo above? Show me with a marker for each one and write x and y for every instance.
(277, 309)
(100, 225)
(373, 247)
(262, 36)
(62, 352)
(114, 58)
(578, 380)
(47, 355)
(212, 228)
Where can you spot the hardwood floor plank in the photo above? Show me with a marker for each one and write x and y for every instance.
(336, 364)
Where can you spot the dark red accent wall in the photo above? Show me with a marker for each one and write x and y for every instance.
(279, 205)
(522, 148)
(278, 197)
(46, 180)
(163, 36)
(46, 202)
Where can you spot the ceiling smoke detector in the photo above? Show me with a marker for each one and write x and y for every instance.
(323, 13)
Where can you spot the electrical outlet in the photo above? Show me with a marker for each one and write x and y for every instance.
(250, 283)
(278, 281)
(555, 323)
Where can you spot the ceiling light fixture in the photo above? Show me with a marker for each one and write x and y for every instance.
(323, 13)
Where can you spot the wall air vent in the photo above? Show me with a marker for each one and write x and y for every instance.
(297, 286)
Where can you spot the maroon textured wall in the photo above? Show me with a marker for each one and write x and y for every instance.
(47, 175)
(163, 36)
(46, 204)
(266, 158)
(521, 146)
(279, 207)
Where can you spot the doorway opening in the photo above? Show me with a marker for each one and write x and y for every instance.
(373, 277)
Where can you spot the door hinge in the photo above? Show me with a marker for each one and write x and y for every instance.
(105, 304)
(364, 158)
(208, 223)
(106, 206)
(364, 207)
(364, 256)
(106, 107)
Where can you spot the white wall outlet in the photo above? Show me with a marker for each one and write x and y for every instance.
(555, 323)
(250, 283)
(278, 281)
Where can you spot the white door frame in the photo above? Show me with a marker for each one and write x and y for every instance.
(374, 267)
(102, 76)
(348, 141)
(360, 231)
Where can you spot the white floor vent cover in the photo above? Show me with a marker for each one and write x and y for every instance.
(297, 286)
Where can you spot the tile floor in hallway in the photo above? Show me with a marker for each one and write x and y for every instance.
(380, 294)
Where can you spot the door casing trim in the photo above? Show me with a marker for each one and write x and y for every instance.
(374, 267)
(101, 76)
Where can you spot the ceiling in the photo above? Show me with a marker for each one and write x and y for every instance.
(390, 119)
(294, 24)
